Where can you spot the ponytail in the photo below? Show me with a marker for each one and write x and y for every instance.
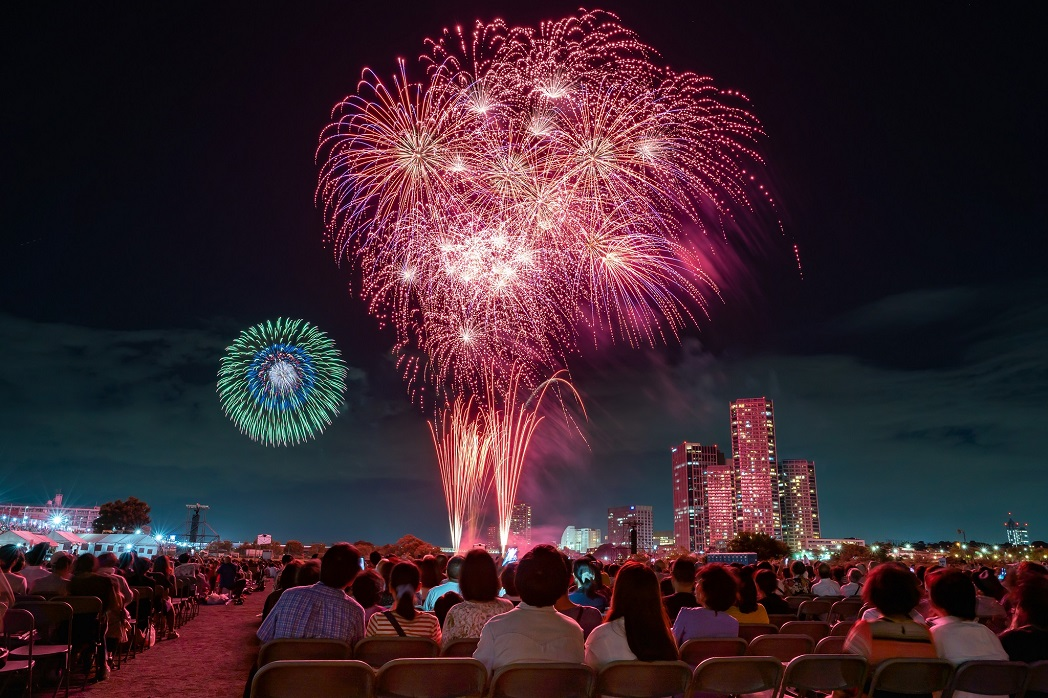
(404, 581)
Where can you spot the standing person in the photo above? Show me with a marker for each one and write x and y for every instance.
(716, 591)
(480, 587)
(403, 619)
(636, 626)
(226, 575)
(682, 578)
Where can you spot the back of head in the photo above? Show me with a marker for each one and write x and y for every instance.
(766, 582)
(143, 565)
(289, 575)
(637, 601)
(9, 554)
(183, 558)
(162, 565)
(540, 577)
(986, 582)
(892, 589)
(507, 577)
(340, 564)
(107, 560)
(952, 592)
(127, 561)
(367, 588)
(717, 587)
(747, 589)
(85, 563)
(854, 575)
(284, 559)
(479, 576)
(37, 554)
(427, 569)
(797, 568)
(1031, 598)
(374, 557)
(455, 567)
(61, 562)
(825, 571)
(587, 576)
(684, 570)
(309, 573)
(404, 581)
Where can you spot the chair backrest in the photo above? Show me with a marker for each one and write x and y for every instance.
(988, 678)
(376, 651)
(824, 673)
(842, 627)
(18, 622)
(1036, 678)
(696, 651)
(548, 680)
(634, 679)
(782, 647)
(51, 619)
(748, 631)
(84, 604)
(464, 647)
(907, 675)
(796, 600)
(144, 592)
(814, 608)
(21, 598)
(309, 648)
(735, 675)
(328, 678)
(834, 644)
(777, 619)
(846, 609)
(442, 677)
(815, 629)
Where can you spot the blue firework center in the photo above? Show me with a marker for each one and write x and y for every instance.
(281, 377)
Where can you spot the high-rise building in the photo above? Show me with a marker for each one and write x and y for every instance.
(622, 519)
(580, 540)
(756, 467)
(1018, 534)
(703, 497)
(520, 524)
(799, 508)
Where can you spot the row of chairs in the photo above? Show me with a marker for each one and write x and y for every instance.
(468, 678)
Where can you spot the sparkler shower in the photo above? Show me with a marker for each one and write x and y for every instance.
(539, 188)
(282, 382)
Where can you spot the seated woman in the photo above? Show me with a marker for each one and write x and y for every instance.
(589, 586)
(894, 592)
(1027, 640)
(958, 637)
(746, 609)
(716, 590)
(285, 581)
(795, 580)
(403, 619)
(636, 626)
(12, 559)
(479, 585)
(768, 587)
(588, 617)
(367, 588)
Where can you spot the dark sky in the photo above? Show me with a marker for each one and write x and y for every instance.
(158, 198)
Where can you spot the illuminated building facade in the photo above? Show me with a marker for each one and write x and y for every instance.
(799, 508)
(520, 524)
(1018, 534)
(50, 516)
(703, 497)
(621, 519)
(755, 466)
(580, 540)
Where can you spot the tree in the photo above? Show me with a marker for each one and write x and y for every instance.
(409, 546)
(122, 516)
(317, 549)
(294, 548)
(851, 551)
(766, 547)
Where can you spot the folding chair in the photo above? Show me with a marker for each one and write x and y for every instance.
(842, 627)
(1036, 680)
(815, 629)
(131, 607)
(796, 600)
(695, 652)
(88, 642)
(308, 648)
(736, 675)
(814, 609)
(460, 648)
(845, 609)
(376, 651)
(911, 676)
(143, 612)
(834, 644)
(18, 623)
(783, 647)
(823, 673)
(24, 598)
(777, 619)
(548, 680)
(54, 629)
(748, 631)
(327, 678)
(632, 679)
(442, 677)
(987, 678)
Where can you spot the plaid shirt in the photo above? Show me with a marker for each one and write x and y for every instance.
(316, 611)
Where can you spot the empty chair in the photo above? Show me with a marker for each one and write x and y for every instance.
(796, 600)
(842, 627)
(88, 630)
(308, 648)
(1036, 680)
(550, 680)
(464, 647)
(846, 609)
(632, 679)
(906, 675)
(815, 629)
(782, 647)
(987, 678)
(54, 632)
(695, 652)
(444, 677)
(823, 673)
(748, 631)
(777, 619)
(814, 609)
(326, 678)
(834, 644)
(376, 651)
(18, 622)
(735, 675)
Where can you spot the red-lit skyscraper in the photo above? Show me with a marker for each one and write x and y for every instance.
(703, 497)
(755, 466)
(800, 502)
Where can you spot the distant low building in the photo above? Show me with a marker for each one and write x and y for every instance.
(140, 543)
(828, 545)
(52, 515)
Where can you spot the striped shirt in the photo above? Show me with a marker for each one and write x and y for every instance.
(422, 625)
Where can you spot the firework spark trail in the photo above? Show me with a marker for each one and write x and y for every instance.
(539, 187)
(462, 453)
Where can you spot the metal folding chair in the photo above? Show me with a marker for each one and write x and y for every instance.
(988, 678)
(441, 677)
(633, 679)
(328, 678)
(696, 651)
(550, 680)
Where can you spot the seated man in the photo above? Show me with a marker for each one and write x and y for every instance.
(683, 581)
(826, 586)
(321, 610)
(452, 584)
(57, 582)
(533, 631)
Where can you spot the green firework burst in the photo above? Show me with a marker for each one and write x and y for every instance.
(282, 382)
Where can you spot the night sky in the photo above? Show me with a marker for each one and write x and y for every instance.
(158, 198)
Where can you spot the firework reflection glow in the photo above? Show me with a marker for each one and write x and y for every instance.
(539, 187)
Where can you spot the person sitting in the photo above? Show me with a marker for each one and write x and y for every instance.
(87, 582)
(746, 609)
(107, 565)
(429, 572)
(367, 588)
(826, 586)
(637, 627)
(322, 610)
(682, 580)
(716, 591)
(533, 631)
(34, 564)
(768, 590)
(1027, 640)
(587, 617)
(894, 592)
(588, 586)
(55, 583)
(12, 559)
(452, 584)
(403, 619)
(285, 581)
(795, 580)
(480, 587)
(509, 589)
(854, 585)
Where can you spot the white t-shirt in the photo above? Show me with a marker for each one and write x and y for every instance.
(607, 643)
(529, 634)
(959, 641)
(826, 587)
